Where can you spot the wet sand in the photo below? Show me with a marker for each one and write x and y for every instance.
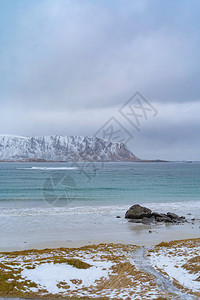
(125, 233)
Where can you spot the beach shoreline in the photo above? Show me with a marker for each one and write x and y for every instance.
(135, 234)
(149, 241)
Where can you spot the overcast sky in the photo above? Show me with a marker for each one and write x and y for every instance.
(67, 67)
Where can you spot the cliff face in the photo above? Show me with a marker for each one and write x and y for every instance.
(63, 148)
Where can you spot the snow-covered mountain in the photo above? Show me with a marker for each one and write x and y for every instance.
(63, 148)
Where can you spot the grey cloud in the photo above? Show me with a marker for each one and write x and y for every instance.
(66, 66)
(90, 55)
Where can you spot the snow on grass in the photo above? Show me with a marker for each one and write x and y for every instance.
(173, 259)
(50, 275)
(96, 271)
(173, 267)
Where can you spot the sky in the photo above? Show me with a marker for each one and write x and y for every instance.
(67, 67)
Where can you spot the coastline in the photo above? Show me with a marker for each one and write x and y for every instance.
(137, 234)
(41, 228)
(80, 161)
(117, 259)
(148, 239)
(96, 232)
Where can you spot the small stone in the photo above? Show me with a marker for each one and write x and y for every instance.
(135, 221)
(172, 215)
(146, 220)
(169, 221)
(150, 231)
(163, 218)
(118, 217)
(155, 214)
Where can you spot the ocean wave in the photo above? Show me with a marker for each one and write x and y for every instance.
(61, 211)
(49, 168)
(192, 207)
(182, 208)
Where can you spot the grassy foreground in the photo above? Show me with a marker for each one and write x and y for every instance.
(121, 278)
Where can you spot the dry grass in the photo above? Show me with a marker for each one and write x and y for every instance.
(76, 263)
(193, 266)
(12, 263)
(123, 275)
(189, 243)
(182, 249)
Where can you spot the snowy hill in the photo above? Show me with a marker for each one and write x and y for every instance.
(63, 148)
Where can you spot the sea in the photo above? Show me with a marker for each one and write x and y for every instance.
(53, 202)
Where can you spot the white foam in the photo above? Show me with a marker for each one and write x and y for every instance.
(48, 168)
(179, 207)
(86, 210)
(182, 208)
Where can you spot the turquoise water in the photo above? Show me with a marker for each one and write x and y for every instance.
(97, 184)
(52, 203)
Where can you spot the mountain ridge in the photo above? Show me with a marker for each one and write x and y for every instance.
(62, 148)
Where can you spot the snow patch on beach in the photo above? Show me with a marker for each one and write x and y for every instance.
(111, 273)
(50, 275)
(49, 168)
(171, 261)
(172, 266)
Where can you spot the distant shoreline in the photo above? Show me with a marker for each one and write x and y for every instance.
(100, 161)
(78, 161)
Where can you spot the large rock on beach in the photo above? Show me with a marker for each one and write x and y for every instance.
(137, 212)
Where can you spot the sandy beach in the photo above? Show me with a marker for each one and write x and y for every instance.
(38, 228)
(141, 235)
(136, 261)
